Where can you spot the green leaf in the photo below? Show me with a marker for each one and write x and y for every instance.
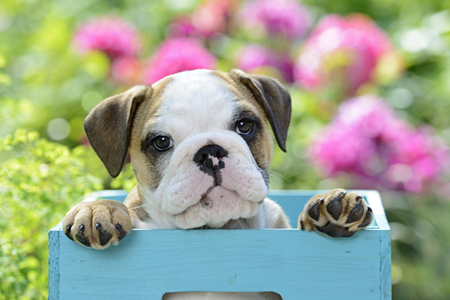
(5, 79)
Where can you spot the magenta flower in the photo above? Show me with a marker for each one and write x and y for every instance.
(126, 70)
(111, 35)
(366, 139)
(254, 57)
(342, 51)
(287, 18)
(177, 55)
(183, 27)
(210, 18)
(213, 16)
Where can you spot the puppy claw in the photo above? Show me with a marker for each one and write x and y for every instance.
(302, 225)
(368, 219)
(67, 232)
(122, 233)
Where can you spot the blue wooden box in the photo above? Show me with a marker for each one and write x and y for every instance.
(295, 264)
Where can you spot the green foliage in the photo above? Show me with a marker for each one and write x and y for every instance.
(420, 246)
(39, 183)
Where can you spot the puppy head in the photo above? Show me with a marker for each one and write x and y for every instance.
(199, 143)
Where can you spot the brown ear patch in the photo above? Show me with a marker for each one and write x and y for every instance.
(273, 98)
(108, 126)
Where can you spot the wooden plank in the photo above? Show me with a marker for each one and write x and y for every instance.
(296, 264)
(53, 263)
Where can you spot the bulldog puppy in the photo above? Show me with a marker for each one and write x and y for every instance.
(200, 149)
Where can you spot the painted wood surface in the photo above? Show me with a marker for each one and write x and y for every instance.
(297, 265)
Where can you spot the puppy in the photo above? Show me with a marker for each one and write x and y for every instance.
(200, 149)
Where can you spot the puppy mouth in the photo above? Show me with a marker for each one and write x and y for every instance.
(215, 207)
(205, 200)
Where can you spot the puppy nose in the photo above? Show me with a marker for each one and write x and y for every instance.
(211, 150)
(209, 159)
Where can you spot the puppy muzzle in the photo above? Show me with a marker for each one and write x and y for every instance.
(212, 184)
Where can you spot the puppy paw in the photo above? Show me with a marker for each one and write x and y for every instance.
(97, 224)
(336, 214)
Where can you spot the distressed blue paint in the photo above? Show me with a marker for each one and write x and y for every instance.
(295, 264)
(53, 264)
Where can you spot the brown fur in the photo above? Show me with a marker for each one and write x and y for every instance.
(146, 171)
(272, 97)
(136, 206)
(113, 117)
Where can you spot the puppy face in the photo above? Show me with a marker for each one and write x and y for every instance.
(192, 150)
(200, 147)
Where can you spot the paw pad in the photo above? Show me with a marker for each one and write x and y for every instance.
(334, 207)
(336, 214)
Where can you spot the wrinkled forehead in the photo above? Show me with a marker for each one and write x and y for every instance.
(198, 101)
(197, 92)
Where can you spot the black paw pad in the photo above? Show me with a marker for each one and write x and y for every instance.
(367, 219)
(82, 238)
(122, 233)
(104, 237)
(356, 213)
(314, 211)
(334, 230)
(67, 232)
(334, 207)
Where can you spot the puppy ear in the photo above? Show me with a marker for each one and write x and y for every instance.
(273, 98)
(108, 126)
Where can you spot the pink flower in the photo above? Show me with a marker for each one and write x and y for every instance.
(367, 139)
(110, 34)
(183, 27)
(212, 17)
(126, 70)
(287, 18)
(177, 55)
(255, 56)
(342, 51)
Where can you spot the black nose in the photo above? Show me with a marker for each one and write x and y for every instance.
(203, 160)
(214, 150)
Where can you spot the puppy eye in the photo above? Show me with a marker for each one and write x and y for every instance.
(244, 127)
(162, 143)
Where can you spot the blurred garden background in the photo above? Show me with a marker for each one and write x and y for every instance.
(370, 84)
